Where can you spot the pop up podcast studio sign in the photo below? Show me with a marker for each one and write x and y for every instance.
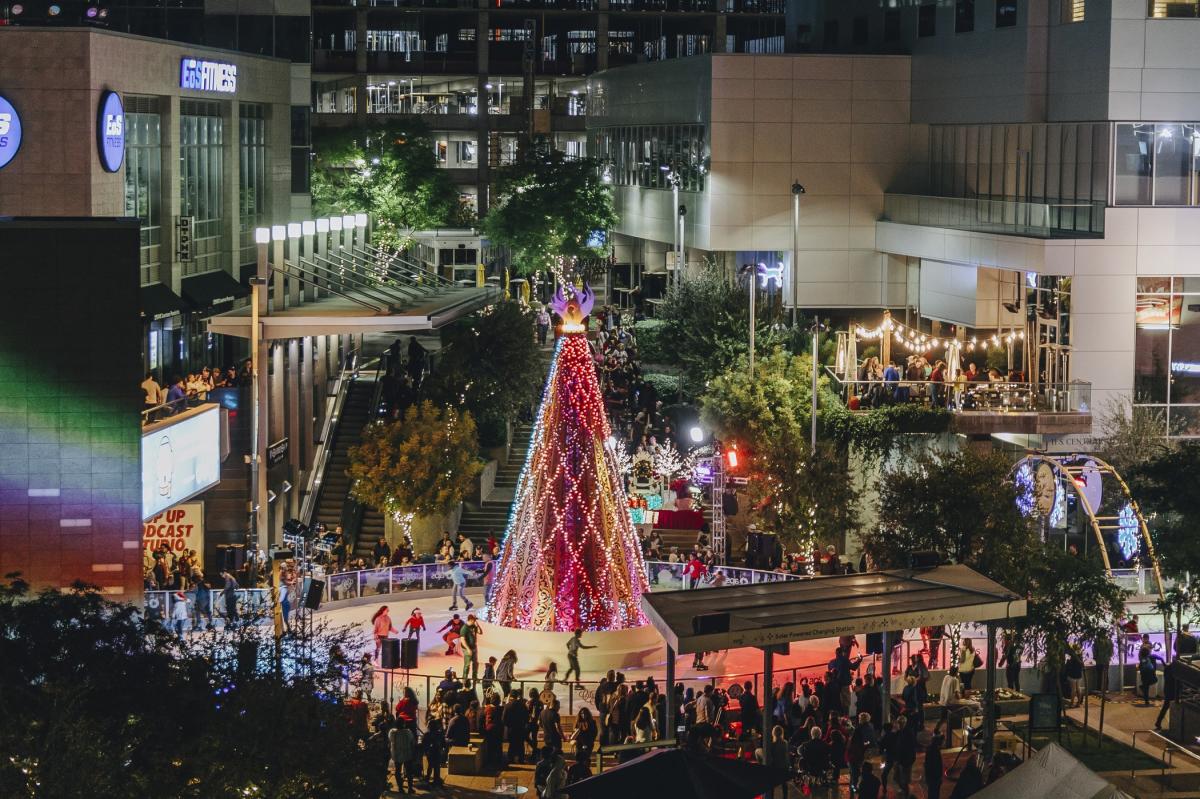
(181, 528)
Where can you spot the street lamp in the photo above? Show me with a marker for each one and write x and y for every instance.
(671, 172)
(816, 335)
(797, 190)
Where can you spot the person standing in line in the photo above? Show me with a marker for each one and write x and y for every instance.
(574, 644)
(402, 743)
(434, 744)
(1146, 671)
(515, 718)
(543, 324)
(551, 725)
(504, 671)
(229, 594)
(1010, 659)
(381, 627)
(458, 578)
(868, 785)
(489, 576)
(179, 613)
(968, 661)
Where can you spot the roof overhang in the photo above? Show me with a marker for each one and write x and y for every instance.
(338, 315)
(769, 614)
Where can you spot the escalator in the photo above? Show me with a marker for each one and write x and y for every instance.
(333, 501)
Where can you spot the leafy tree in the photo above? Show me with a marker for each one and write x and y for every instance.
(805, 496)
(962, 505)
(490, 364)
(423, 464)
(1180, 601)
(389, 170)
(1133, 436)
(1167, 489)
(99, 700)
(706, 323)
(548, 206)
(1071, 598)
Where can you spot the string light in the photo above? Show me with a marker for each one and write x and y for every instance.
(571, 558)
(916, 341)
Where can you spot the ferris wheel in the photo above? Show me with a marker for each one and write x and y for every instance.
(1047, 485)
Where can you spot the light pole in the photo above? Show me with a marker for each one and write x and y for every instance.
(816, 335)
(671, 172)
(797, 190)
(680, 261)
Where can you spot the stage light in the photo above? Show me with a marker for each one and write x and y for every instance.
(697, 435)
(17, 10)
(92, 12)
(54, 11)
(731, 457)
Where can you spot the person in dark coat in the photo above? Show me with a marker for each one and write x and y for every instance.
(934, 768)
(869, 785)
(515, 720)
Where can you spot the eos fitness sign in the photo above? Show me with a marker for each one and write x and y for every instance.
(110, 131)
(10, 132)
(207, 76)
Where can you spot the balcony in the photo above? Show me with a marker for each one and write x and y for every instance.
(983, 408)
(1048, 220)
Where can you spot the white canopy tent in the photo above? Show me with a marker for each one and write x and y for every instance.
(1052, 773)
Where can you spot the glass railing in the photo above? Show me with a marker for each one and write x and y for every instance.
(968, 395)
(981, 214)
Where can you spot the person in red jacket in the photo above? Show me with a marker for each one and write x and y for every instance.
(414, 625)
(694, 572)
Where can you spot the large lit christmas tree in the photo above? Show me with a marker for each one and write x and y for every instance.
(571, 557)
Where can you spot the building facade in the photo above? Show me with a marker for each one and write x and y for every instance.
(1032, 165)
(205, 159)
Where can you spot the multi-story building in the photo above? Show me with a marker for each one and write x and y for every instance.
(1031, 166)
(204, 162)
(483, 74)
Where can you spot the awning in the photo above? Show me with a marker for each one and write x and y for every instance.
(159, 302)
(211, 289)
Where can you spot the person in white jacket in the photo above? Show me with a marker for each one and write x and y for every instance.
(181, 616)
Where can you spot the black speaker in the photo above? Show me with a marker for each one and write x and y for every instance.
(874, 643)
(708, 623)
(313, 591)
(390, 653)
(924, 559)
(247, 657)
(408, 653)
(231, 557)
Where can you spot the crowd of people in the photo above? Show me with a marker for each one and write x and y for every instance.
(180, 393)
(918, 379)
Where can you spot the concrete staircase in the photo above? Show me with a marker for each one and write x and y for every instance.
(335, 484)
(492, 515)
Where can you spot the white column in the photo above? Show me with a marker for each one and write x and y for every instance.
(309, 229)
(293, 256)
(306, 406)
(292, 386)
(278, 235)
(321, 247)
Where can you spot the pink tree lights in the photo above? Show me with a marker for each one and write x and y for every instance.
(571, 557)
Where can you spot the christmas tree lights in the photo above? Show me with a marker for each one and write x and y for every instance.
(571, 558)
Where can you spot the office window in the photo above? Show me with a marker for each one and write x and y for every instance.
(1167, 9)
(1167, 351)
(252, 173)
(1006, 13)
(891, 25)
(201, 179)
(1073, 10)
(927, 20)
(831, 33)
(1157, 164)
(860, 33)
(143, 171)
(964, 16)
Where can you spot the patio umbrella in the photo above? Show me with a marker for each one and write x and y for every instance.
(681, 774)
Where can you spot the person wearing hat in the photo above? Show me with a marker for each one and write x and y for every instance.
(180, 615)
(414, 625)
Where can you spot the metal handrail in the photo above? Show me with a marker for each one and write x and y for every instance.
(1014, 396)
(423, 287)
(312, 279)
(348, 369)
(414, 265)
(1162, 757)
(162, 406)
(355, 263)
(361, 286)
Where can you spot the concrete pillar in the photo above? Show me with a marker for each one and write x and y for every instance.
(170, 273)
(989, 702)
(293, 257)
(309, 230)
(321, 248)
(295, 464)
(483, 166)
(277, 426)
(718, 44)
(360, 67)
(231, 233)
(768, 698)
(602, 36)
(337, 247)
(307, 436)
(278, 235)
(885, 677)
(258, 350)
(668, 728)
(321, 382)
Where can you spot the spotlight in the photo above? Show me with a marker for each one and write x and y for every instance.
(103, 13)
(91, 12)
(17, 10)
(54, 11)
(696, 434)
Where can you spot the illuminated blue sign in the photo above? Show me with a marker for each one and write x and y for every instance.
(10, 132)
(207, 76)
(110, 131)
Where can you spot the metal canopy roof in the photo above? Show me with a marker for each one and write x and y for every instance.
(766, 614)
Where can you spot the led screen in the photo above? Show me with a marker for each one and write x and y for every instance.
(180, 460)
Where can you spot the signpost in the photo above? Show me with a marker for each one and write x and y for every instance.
(10, 132)
(185, 227)
(110, 131)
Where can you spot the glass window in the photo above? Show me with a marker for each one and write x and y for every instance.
(964, 16)
(1185, 351)
(861, 32)
(201, 179)
(831, 33)
(1167, 354)
(252, 173)
(1165, 9)
(891, 25)
(1134, 163)
(1073, 10)
(927, 20)
(143, 172)
(1006, 13)
(1174, 164)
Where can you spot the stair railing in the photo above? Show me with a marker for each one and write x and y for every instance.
(340, 389)
(352, 509)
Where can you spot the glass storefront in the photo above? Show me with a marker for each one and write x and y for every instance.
(252, 194)
(641, 155)
(143, 178)
(1156, 163)
(1167, 352)
(202, 180)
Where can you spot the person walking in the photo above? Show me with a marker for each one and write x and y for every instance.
(179, 613)
(458, 578)
(1170, 691)
(905, 752)
(934, 768)
(585, 734)
(574, 644)
(201, 601)
(434, 745)
(402, 743)
(504, 671)
(868, 784)
(381, 627)
(229, 595)
(1146, 671)
(862, 739)
(543, 325)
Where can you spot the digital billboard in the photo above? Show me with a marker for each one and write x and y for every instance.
(180, 459)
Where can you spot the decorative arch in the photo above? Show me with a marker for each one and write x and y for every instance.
(1071, 474)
